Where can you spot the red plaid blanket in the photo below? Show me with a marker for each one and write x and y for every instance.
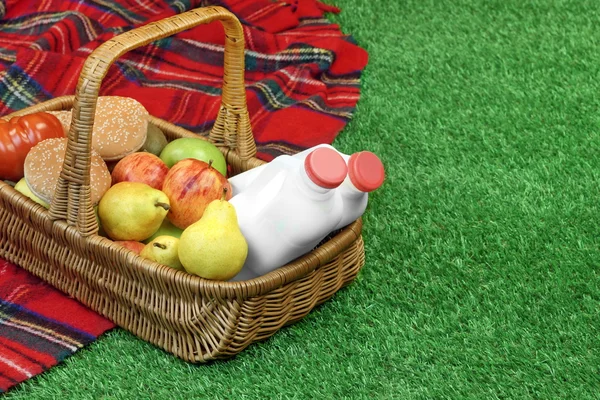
(302, 72)
(39, 326)
(302, 85)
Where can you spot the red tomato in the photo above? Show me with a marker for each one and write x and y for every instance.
(18, 135)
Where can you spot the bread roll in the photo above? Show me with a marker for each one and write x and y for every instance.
(44, 163)
(120, 126)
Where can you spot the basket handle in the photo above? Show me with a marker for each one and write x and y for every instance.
(72, 200)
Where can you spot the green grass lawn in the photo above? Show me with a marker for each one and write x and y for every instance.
(482, 273)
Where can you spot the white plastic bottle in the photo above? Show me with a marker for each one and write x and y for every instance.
(285, 212)
(241, 181)
(365, 174)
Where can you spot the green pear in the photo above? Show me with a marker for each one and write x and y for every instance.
(163, 250)
(22, 187)
(213, 247)
(155, 140)
(166, 229)
(132, 211)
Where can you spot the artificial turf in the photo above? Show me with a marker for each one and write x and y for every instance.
(482, 272)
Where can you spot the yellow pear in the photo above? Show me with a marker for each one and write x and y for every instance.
(132, 211)
(213, 247)
(22, 187)
(163, 250)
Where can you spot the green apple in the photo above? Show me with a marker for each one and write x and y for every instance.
(22, 187)
(166, 229)
(197, 148)
(164, 250)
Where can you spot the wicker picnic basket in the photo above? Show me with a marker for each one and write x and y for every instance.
(195, 319)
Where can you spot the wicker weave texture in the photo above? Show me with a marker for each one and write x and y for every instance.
(195, 319)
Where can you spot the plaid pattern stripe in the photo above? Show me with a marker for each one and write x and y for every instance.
(39, 326)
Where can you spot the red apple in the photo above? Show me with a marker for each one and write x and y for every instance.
(190, 185)
(132, 245)
(141, 167)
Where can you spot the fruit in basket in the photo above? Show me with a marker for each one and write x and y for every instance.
(155, 140)
(18, 135)
(132, 245)
(190, 186)
(163, 250)
(197, 148)
(166, 229)
(214, 247)
(132, 211)
(100, 229)
(140, 167)
(22, 187)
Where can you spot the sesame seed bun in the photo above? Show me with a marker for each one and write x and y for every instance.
(120, 126)
(43, 165)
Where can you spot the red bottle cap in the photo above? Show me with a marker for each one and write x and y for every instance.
(326, 167)
(366, 171)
